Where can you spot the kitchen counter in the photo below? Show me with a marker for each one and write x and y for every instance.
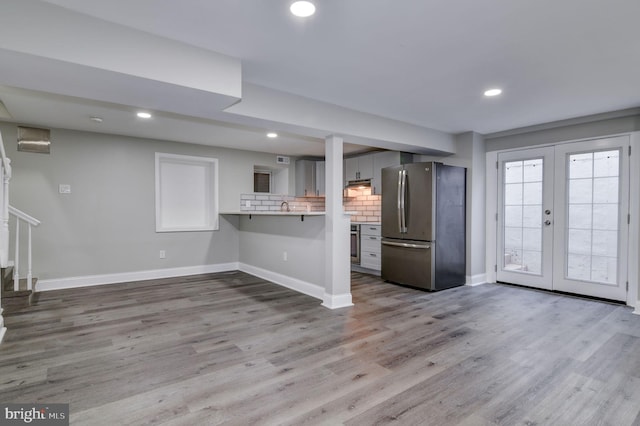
(289, 248)
(366, 223)
(290, 213)
(276, 213)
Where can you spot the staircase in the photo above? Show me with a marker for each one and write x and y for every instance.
(15, 293)
(12, 299)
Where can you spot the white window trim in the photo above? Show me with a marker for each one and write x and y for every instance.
(210, 185)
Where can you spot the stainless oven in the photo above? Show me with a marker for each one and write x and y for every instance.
(355, 244)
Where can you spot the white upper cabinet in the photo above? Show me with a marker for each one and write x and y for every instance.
(310, 177)
(305, 178)
(357, 168)
(350, 169)
(320, 175)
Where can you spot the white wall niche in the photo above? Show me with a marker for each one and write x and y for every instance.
(186, 193)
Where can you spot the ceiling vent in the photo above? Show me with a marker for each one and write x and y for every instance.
(281, 159)
(31, 139)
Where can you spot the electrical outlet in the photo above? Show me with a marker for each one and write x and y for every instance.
(163, 254)
(284, 256)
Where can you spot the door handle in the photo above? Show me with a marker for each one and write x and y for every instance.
(399, 201)
(404, 202)
(407, 245)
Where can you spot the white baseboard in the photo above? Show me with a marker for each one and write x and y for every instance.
(637, 310)
(474, 280)
(300, 286)
(93, 280)
(335, 301)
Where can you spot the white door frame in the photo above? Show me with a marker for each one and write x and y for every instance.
(633, 273)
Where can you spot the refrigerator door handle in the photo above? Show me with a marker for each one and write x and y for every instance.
(400, 200)
(407, 245)
(404, 202)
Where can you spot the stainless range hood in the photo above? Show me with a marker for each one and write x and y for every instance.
(358, 184)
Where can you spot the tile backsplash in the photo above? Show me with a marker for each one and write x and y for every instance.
(270, 202)
(365, 205)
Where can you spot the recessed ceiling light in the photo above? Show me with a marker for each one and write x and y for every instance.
(303, 9)
(144, 115)
(493, 92)
(96, 119)
(272, 135)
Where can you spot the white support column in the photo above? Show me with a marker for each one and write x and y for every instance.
(337, 285)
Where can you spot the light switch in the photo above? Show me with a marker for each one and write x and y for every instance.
(64, 189)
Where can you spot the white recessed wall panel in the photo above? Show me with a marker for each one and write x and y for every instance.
(186, 193)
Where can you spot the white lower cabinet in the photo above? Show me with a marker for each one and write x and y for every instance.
(370, 246)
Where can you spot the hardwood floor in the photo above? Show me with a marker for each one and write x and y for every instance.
(234, 349)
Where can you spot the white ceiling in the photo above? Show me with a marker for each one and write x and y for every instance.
(424, 62)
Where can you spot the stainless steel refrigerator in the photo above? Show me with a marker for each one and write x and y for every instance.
(423, 225)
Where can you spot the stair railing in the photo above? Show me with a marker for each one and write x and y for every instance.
(5, 175)
(5, 211)
(30, 222)
(5, 164)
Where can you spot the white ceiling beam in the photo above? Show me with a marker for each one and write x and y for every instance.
(50, 47)
(356, 127)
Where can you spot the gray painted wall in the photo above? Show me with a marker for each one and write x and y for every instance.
(263, 239)
(471, 147)
(470, 153)
(560, 132)
(107, 224)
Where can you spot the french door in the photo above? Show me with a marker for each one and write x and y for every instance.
(562, 217)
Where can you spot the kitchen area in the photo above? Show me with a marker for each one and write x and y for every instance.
(362, 199)
(413, 233)
(305, 196)
(392, 228)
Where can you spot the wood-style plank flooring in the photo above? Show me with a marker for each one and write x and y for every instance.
(234, 349)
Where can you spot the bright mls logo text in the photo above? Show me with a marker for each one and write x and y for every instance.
(40, 414)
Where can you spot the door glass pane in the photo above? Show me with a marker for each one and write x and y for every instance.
(592, 206)
(523, 216)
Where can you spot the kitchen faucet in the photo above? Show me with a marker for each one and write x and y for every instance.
(284, 203)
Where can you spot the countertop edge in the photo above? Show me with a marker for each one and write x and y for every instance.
(277, 213)
(268, 213)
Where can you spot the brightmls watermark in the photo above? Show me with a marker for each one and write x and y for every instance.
(35, 414)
